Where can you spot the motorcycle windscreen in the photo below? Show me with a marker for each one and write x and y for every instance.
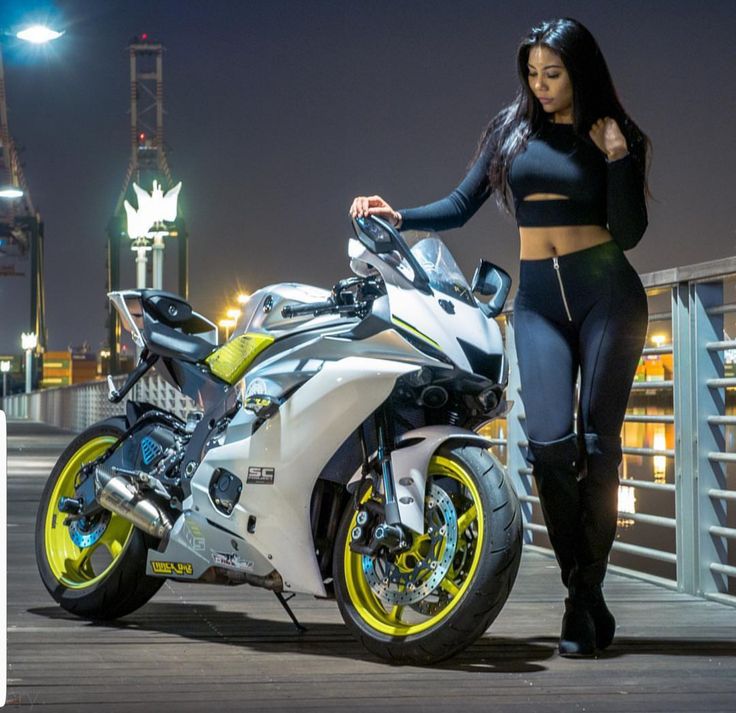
(445, 319)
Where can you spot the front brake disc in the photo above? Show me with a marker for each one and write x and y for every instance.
(395, 586)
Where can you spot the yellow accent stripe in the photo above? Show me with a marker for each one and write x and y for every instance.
(405, 325)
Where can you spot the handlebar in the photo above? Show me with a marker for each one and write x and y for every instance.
(315, 308)
(350, 297)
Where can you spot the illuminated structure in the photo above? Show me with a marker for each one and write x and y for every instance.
(21, 227)
(147, 228)
(148, 162)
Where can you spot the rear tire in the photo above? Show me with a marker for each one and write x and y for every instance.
(473, 591)
(107, 579)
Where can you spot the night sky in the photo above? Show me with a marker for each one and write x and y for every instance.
(279, 112)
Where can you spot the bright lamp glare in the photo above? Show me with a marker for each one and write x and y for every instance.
(11, 193)
(38, 34)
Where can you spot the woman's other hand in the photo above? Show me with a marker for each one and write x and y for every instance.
(374, 205)
(607, 136)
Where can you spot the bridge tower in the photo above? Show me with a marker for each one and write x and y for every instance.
(148, 162)
(21, 227)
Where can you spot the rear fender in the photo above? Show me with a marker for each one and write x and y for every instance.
(409, 467)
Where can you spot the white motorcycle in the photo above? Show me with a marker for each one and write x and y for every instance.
(332, 452)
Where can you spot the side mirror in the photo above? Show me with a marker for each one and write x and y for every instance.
(374, 234)
(493, 282)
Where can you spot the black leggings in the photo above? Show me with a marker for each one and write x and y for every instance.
(586, 310)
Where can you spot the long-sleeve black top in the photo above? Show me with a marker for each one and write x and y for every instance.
(555, 161)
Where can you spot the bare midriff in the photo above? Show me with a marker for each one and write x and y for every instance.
(542, 243)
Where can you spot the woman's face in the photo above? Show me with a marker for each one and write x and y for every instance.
(550, 82)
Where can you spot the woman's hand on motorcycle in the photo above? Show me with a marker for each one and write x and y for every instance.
(374, 205)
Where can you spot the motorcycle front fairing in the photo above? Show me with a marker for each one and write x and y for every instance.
(444, 315)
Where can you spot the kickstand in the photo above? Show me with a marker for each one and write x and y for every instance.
(285, 603)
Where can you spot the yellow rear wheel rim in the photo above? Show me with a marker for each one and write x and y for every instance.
(75, 567)
(389, 619)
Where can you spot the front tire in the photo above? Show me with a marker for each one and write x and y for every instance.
(99, 570)
(479, 568)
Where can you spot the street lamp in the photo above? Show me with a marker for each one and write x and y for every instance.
(38, 34)
(5, 368)
(227, 325)
(28, 341)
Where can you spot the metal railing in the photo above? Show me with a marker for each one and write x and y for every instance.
(693, 548)
(74, 408)
(687, 538)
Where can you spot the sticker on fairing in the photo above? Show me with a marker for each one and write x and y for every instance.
(261, 475)
(194, 537)
(175, 568)
(231, 559)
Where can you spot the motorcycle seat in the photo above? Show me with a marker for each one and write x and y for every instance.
(168, 342)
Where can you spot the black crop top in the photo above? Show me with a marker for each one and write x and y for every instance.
(556, 160)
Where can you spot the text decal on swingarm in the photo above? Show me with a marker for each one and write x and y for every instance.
(176, 568)
(260, 475)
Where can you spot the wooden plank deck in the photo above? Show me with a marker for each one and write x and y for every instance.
(200, 648)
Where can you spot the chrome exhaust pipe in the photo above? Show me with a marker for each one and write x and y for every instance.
(120, 496)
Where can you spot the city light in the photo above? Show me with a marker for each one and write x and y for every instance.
(233, 314)
(28, 340)
(38, 34)
(227, 325)
(660, 462)
(658, 339)
(626, 504)
(243, 297)
(11, 192)
(5, 368)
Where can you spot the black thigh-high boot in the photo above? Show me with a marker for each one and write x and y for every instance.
(555, 471)
(598, 516)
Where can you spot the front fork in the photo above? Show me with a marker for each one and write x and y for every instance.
(379, 526)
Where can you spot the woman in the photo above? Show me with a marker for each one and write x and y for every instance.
(574, 164)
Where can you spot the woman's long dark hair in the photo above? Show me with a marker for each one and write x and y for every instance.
(594, 97)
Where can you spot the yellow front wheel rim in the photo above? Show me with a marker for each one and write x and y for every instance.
(397, 620)
(75, 567)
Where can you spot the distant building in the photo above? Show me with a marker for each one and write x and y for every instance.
(64, 368)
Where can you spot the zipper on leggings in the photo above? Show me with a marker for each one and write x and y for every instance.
(556, 264)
